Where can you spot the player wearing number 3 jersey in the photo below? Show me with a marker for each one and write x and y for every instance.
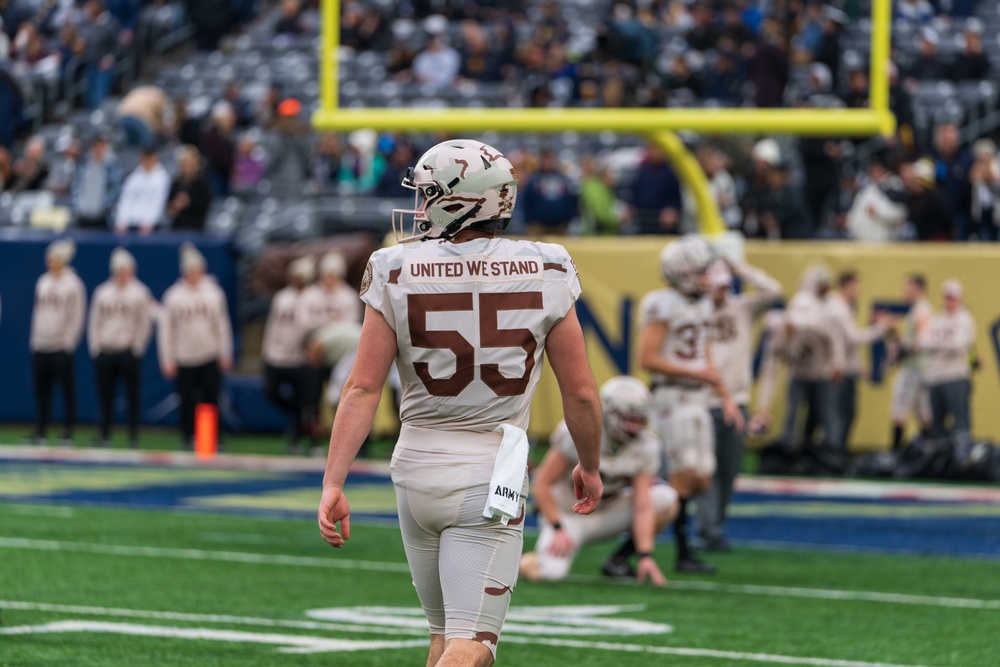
(467, 317)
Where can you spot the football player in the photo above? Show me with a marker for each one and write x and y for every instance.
(634, 499)
(909, 393)
(732, 352)
(467, 317)
(674, 346)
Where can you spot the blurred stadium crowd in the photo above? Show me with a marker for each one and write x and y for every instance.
(235, 153)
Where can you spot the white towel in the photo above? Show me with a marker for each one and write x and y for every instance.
(504, 500)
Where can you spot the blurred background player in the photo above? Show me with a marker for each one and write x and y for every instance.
(635, 501)
(287, 380)
(460, 465)
(815, 357)
(909, 393)
(843, 305)
(118, 333)
(195, 338)
(732, 354)
(56, 328)
(674, 346)
(774, 354)
(949, 342)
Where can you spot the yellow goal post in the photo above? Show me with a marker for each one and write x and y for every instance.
(658, 125)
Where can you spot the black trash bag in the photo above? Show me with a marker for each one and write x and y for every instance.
(925, 458)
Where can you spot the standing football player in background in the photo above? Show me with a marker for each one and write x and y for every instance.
(732, 353)
(949, 342)
(815, 356)
(674, 346)
(118, 333)
(195, 338)
(467, 316)
(909, 392)
(56, 328)
(635, 501)
(287, 379)
(843, 304)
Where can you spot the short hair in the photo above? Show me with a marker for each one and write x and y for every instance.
(846, 277)
(919, 280)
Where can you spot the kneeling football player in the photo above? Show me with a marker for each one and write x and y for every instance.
(634, 501)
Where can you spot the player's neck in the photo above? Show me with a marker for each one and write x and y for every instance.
(472, 235)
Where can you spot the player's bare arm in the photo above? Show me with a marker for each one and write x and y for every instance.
(553, 468)
(581, 407)
(651, 338)
(358, 403)
(644, 530)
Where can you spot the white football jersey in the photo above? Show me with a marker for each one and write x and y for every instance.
(689, 322)
(471, 320)
(620, 462)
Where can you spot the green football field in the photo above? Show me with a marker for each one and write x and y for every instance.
(97, 586)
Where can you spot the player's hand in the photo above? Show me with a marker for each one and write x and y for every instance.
(647, 570)
(169, 370)
(760, 422)
(588, 488)
(333, 507)
(710, 376)
(562, 544)
(733, 416)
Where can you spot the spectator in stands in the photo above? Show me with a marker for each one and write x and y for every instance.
(767, 68)
(713, 162)
(833, 22)
(549, 198)
(733, 27)
(724, 81)
(705, 33)
(984, 177)
(31, 55)
(655, 204)
(195, 338)
(913, 12)
(856, 94)
(971, 64)
(879, 210)
(929, 65)
(142, 114)
(126, 12)
(324, 165)
(630, 40)
(211, 20)
(6, 172)
(242, 109)
(952, 162)
(290, 20)
(600, 210)
(97, 185)
(60, 180)
(219, 146)
(11, 107)
(190, 193)
(480, 62)
(185, 127)
(364, 28)
(401, 158)
(764, 158)
(438, 64)
(249, 165)
(56, 329)
(143, 201)
(103, 46)
(783, 210)
(927, 209)
(901, 106)
(821, 161)
(31, 170)
(288, 150)
(949, 341)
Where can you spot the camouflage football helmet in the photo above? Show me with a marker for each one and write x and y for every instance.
(684, 262)
(457, 184)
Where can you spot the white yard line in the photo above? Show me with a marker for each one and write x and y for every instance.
(335, 562)
(702, 653)
(296, 643)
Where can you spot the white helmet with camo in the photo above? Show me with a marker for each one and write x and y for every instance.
(624, 407)
(684, 262)
(458, 183)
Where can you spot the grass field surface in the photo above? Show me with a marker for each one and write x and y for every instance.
(112, 565)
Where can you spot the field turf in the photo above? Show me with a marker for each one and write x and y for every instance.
(95, 586)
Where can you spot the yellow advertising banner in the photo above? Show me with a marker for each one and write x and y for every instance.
(617, 272)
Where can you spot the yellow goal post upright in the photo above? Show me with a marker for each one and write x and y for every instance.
(657, 125)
